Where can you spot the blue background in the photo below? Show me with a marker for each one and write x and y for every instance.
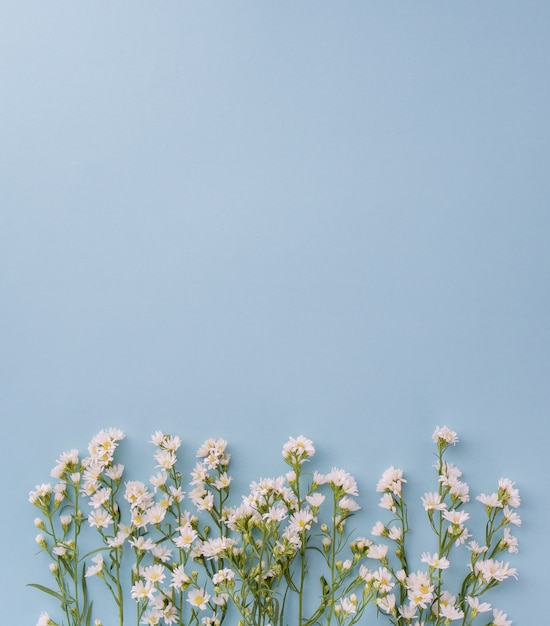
(253, 220)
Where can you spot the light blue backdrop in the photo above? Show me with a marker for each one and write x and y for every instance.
(253, 220)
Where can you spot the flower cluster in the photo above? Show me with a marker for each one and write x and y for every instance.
(422, 596)
(62, 520)
(282, 554)
(279, 527)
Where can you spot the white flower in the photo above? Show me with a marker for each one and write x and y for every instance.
(45, 620)
(67, 461)
(66, 520)
(315, 499)
(511, 517)
(157, 438)
(114, 472)
(435, 561)
(387, 502)
(220, 599)
(60, 550)
(394, 533)
(459, 491)
(187, 536)
(100, 497)
(378, 551)
(170, 614)
(477, 606)
(446, 598)
(41, 493)
(159, 479)
(349, 604)
(474, 547)
(432, 502)
(365, 574)
(140, 543)
(142, 589)
(387, 603)
(172, 443)
(456, 518)
(318, 478)
(382, 580)
(102, 446)
(508, 494)
(491, 569)
(179, 577)
(300, 521)
(275, 514)
(340, 478)
(348, 504)
(223, 575)
(401, 576)
(509, 541)
(118, 540)
(138, 495)
(155, 574)
(450, 612)
(358, 547)
(198, 598)
(165, 501)
(205, 502)
(166, 459)
(97, 567)
(100, 518)
(491, 501)
(419, 589)
(176, 493)
(155, 514)
(161, 552)
(60, 491)
(499, 618)
(444, 435)
(298, 450)
(449, 473)
(199, 475)
(223, 481)
(215, 546)
(407, 611)
(212, 446)
(391, 481)
(151, 617)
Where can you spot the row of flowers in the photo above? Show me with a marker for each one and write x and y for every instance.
(283, 554)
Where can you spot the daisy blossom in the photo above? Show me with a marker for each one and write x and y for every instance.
(499, 618)
(198, 599)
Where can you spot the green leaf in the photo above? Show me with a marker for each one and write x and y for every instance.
(47, 590)
(87, 616)
(95, 551)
